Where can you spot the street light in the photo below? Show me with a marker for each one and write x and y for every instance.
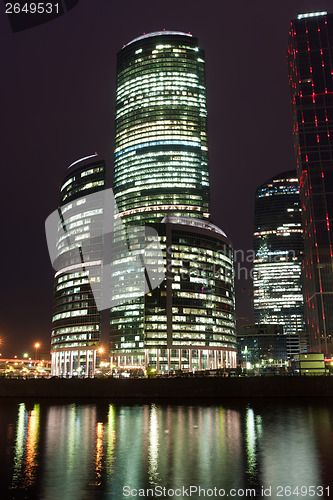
(37, 346)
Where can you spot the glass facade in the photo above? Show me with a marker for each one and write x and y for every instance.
(262, 346)
(188, 322)
(278, 246)
(310, 62)
(76, 323)
(161, 154)
(161, 178)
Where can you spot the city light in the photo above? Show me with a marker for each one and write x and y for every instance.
(311, 14)
(37, 346)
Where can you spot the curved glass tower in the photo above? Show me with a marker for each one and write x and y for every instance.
(188, 322)
(161, 179)
(161, 154)
(76, 322)
(278, 246)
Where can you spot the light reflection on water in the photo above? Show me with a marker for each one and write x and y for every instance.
(153, 450)
(293, 430)
(26, 445)
(88, 451)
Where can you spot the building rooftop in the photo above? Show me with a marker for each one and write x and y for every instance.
(82, 160)
(189, 221)
(157, 33)
(312, 14)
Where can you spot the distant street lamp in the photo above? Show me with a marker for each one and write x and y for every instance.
(37, 346)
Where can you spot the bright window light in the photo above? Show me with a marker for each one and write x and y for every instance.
(312, 14)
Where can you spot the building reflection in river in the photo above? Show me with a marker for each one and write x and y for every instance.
(77, 451)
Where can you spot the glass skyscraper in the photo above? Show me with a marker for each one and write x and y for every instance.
(278, 246)
(161, 179)
(161, 154)
(171, 305)
(76, 322)
(310, 60)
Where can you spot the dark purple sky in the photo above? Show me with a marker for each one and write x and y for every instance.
(57, 105)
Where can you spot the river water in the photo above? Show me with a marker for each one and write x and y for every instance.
(85, 451)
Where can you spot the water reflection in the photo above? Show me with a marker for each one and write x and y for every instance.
(289, 448)
(250, 437)
(87, 451)
(26, 445)
(68, 456)
(19, 445)
(153, 450)
(31, 446)
(99, 453)
(111, 438)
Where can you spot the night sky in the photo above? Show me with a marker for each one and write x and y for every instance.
(57, 105)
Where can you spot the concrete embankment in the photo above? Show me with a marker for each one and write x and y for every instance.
(175, 388)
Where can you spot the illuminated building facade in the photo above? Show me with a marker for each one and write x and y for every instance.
(161, 178)
(310, 61)
(161, 154)
(76, 323)
(278, 246)
(189, 320)
(262, 346)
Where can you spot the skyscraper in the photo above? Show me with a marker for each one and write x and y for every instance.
(310, 61)
(161, 154)
(161, 178)
(161, 188)
(278, 246)
(76, 322)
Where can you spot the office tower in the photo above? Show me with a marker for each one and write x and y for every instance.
(262, 347)
(278, 246)
(76, 323)
(161, 178)
(310, 62)
(161, 154)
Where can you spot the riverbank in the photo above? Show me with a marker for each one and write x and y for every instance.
(176, 388)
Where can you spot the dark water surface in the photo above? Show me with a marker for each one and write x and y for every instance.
(79, 451)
